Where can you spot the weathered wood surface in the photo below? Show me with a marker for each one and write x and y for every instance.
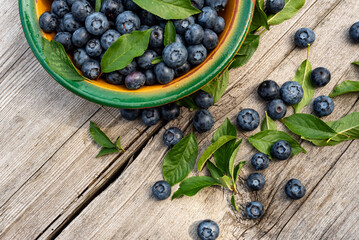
(49, 171)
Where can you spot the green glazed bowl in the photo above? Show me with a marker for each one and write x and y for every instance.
(238, 15)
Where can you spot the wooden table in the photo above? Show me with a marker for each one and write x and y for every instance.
(52, 185)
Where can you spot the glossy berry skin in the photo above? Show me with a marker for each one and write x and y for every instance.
(175, 55)
(127, 22)
(275, 6)
(210, 39)
(208, 230)
(48, 22)
(203, 121)
(248, 119)
(354, 32)
(93, 48)
(163, 73)
(115, 78)
(156, 37)
(65, 39)
(196, 54)
(203, 99)
(70, 2)
(130, 5)
(180, 39)
(207, 18)
(269, 90)
(97, 24)
(91, 69)
(182, 25)
(276, 109)
(198, 4)
(145, 60)
(81, 9)
(295, 189)
(130, 68)
(112, 8)
(135, 80)
(323, 106)
(172, 136)
(291, 92)
(254, 210)
(303, 37)
(80, 57)
(150, 116)
(217, 4)
(70, 24)
(60, 8)
(194, 34)
(219, 25)
(281, 150)
(161, 190)
(150, 77)
(320, 77)
(147, 18)
(182, 69)
(260, 161)
(80, 37)
(109, 37)
(170, 111)
(255, 181)
(130, 114)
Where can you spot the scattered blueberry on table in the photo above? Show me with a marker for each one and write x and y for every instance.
(323, 106)
(255, 181)
(291, 92)
(254, 210)
(161, 190)
(320, 77)
(269, 90)
(260, 161)
(208, 230)
(172, 136)
(354, 32)
(281, 150)
(248, 119)
(304, 37)
(276, 109)
(295, 189)
(275, 6)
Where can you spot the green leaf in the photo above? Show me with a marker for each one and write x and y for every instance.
(303, 78)
(170, 33)
(59, 61)
(233, 202)
(232, 160)
(169, 9)
(100, 137)
(237, 170)
(291, 8)
(308, 126)
(193, 185)
(268, 123)
(259, 18)
(215, 172)
(345, 87)
(187, 102)
(217, 87)
(347, 127)
(355, 63)
(124, 50)
(264, 140)
(180, 160)
(157, 60)
(227, 128)
(118, 143)
(98, 5)
(247, 50)
(212, 149)
(226, 182)
(322, 143)
(261, 4)
(106, 151)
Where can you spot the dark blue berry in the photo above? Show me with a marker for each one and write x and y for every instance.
(108, 38)
(156, 37)
(217, 4)
(48, 22)
(145, 60)
(81, 9)
(150, 116)
(203, 99)
(135, 80)
(93, 48)
(172, 136)
(161, 190)
(275, 6)
(194, 34)
(65, 39)
(276, 109)
(260, 161)
(163, 73)
(254, 210)
(180, 39)
(130, 114)
(248, 119)
(130, 68)
(196, 54)
(60, 25)
(112, 8)
(97, 24)
(127, 22)
(182, 25)
(182, 69)
(115, 78)
(91, 69)
(255, 181)
(295, 189)
(219, 25)
(354, 32)
(143, 28)
(210, 39)
(207, 18)
(150, 77)
(320, 77)
(281, 150)
(60, 8)
(198, 4)
(175, 55)
(203, 121)
(70, 24)
(303, 37)
(323, 106)
(70, 2)
(80, 57)
(147, 18)
(80, 37)
(269, 90)
(130, 5)
(208, 230)
(291, 92)
(170, 111)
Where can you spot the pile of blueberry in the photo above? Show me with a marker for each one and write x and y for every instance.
(88, 34)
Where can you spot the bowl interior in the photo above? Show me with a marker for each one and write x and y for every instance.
(237, 15)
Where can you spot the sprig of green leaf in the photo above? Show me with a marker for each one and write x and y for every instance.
(217, 87)
(290, 9)
(245, 53)
(268, 123)
(259, 19)
(157, 60)
(169, 34)
(345, 87)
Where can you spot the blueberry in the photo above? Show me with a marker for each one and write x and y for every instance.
(150, 116)
(108, 38)
(81, 9)
(127, 22)
(70, 24)
(303, 37)
(210, 39)
(150, 77)
(48, 22)
(175, 55)
(203, 99)
(70, 2)
(135, 80)
(354, 32)
(156, 37)
(275, 6)
(276, 109)
(208, 230)
(170, 111)
(161, 190)
(145, 60)
(182, 25)
(163, 73)
(203, 121)
(130, 114)
(180, 39)
(291, 92)
(181, 70)
(172, 136)
(196, 54)
(97, 23)
(198, 4)
(80, 57)
(112, 8)
(93, 48)
(254, 210)
(217, 4)
(60, 8)
(65, 39)
(143, 28)
(115, 78)
(130, 5)
(255, 181)
(248, 119)
(194, 34)
(320, 77)
(269, 90)
(130, 68)
(323, 106)
(281, 150)
(80, 37)
(147, 18)
(60, 25)
(208, 17)
(260, 161)
(219, 25)
(91, 69)
(295, 189)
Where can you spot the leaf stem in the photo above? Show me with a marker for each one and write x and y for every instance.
(308, 52)
(262, 32)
